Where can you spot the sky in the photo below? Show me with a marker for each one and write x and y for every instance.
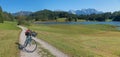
(13, 6)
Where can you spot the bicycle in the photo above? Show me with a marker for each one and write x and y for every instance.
(30, 44)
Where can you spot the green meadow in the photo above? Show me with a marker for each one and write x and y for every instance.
(9, 35)
(82, 40)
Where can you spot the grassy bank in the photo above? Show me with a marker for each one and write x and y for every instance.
(82, 40)
(8, 36)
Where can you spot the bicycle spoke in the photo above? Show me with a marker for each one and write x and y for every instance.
(31, 46)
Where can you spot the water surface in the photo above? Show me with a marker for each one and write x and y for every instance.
(109, 23)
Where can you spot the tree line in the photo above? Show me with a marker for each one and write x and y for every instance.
(48, 15)
(115, 16)
(45, 15)
(4, 16)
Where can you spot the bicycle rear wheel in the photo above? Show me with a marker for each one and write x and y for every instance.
(31, 46)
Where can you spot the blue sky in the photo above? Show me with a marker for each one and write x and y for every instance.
(35, 5)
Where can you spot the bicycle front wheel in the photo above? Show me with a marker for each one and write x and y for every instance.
(31, 46)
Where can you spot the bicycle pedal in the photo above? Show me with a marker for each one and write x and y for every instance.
(21, 47)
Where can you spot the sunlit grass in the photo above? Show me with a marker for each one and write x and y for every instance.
(61, 19)
(8, 26)
(82, 40)
(9, 34)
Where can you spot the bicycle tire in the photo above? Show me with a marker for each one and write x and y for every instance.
(30, 47)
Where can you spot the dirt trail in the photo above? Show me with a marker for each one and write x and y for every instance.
(51, 49)
(43, 44)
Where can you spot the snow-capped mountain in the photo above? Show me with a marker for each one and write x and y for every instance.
(85, 11)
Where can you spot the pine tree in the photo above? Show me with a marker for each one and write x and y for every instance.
(1, 16)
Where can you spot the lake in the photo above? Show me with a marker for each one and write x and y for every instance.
(109, 23)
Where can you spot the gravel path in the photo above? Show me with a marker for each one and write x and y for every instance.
(43, 44)
(51, 49)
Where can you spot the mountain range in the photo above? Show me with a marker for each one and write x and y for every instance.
(23, 13)
(77, 12)
(85, 11)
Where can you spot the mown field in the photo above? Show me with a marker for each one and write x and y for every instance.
(82, 40)
(64, 20)
(9, 34)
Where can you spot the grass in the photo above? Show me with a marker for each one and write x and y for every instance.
(82, 40)
(8, 36)
(61, 19)
(8, 26)
(64, 20)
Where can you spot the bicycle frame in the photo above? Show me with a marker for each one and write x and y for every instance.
(28, 40)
